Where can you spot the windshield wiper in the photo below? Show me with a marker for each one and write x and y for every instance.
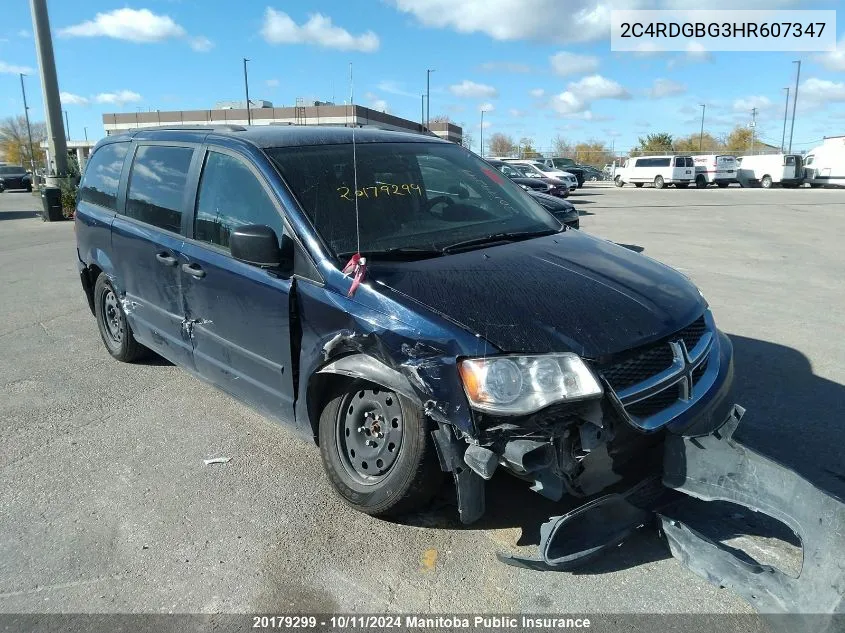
(395, 253)
(498, 237)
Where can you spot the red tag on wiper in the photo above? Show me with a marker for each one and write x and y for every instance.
(357, 267)
(493, 175)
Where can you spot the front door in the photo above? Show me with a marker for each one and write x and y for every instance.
(147, 242)
(238, 315)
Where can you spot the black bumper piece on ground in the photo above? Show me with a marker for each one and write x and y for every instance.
(716, 467)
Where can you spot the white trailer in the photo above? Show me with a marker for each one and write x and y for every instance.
(825, 165)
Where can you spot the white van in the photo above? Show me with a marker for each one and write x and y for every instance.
(766, 170)
(657, 170)
(714, 168)
(825, 165)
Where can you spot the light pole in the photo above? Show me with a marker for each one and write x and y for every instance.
(67, 125)
(794, 103)
(56, 143)
(246, 89)
(428, 97)
(482, 133)
(753, 127)
(422, 113)
(701, 134)
(28, 128)
(86, 133)
(785, 110)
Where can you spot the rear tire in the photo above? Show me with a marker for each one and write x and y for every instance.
(766, 182)
(400, 471)
(111, 320)
(701, 182)
(659, 183)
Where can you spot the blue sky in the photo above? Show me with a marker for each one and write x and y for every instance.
(540, 67)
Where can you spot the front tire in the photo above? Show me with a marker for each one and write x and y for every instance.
(659, 183)
(111, 320)
(701, 182)
(618, 181)
(377, 450)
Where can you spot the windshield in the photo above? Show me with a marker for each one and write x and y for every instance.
(7, 171)
(509, 171)
(528, 170)
(415, 196)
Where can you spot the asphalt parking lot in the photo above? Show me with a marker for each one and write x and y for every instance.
(108, 507)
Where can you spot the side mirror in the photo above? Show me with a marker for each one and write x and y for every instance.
(258, 245)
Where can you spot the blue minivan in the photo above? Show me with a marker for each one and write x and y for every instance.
(398, 300)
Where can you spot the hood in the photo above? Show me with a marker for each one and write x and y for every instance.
(563, 292)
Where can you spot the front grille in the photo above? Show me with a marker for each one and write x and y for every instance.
(692, 333)
(699, 372)
(640, 367)
(655, 404)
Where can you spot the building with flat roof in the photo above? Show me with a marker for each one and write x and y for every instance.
(316, 113)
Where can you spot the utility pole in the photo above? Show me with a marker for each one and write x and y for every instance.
(428, 97)
(422, 112)
(86, 134)
(28, 128)
(785, 110)
(794, 103)
(67, 126)
(753, 127)
(482, 134)
(246, 89)
(56, 143)
(701, 134)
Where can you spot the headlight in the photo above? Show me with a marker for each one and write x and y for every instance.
(518, 385)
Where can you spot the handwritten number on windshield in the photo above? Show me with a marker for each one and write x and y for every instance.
(373, 191)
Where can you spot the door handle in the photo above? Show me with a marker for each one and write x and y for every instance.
(166, 258)
(194, 270)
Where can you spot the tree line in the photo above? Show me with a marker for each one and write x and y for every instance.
(738, 141)
(14, 141)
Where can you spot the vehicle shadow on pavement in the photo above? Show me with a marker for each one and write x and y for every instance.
(18, 215)
(792, 415)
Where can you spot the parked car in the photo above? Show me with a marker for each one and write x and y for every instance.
(825, 165)
(15, 177)
(567, 165)
(591, 174)
(766, 170)
(563, 210)
(550, 186)
(530, 170)
(714, 168)
(656, 170)
(553, 172)
(432, 304)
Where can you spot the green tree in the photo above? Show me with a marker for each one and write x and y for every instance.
(739, 140)
(527, 149)
(660, 142)
(707, 142)
(593, 153)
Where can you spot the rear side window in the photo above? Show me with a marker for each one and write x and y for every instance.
(157, 185)
(102, 175)
(231, 196)
(789, 160)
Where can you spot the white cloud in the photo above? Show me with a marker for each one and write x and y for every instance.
(517, 114)
(817, 91)
(486, 107)
(471, 90)
(13, 69)
(666, 88)
(395, 88)
(201, 44)
(272, 83)
(279, 28)
(24, 33)
(544, 20)
(375, 102)
(565, 63)
(507, 67)
(834, 60)
(747, 103)
(537, 93)
(68, 98)
(120, 97)
(135, 25)
(575, 101)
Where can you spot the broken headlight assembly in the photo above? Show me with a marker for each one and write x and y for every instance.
(519, 385)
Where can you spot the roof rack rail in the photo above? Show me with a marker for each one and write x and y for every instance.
(200, 128)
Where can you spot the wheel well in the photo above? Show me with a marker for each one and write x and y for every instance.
(92, 272)
(320, 389)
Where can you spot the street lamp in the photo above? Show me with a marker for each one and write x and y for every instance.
(67, 125)
(246, 89)
(701, 134)
(28, 128)
(483, 110)
(794, 103)
(785, 111)
(428, 97)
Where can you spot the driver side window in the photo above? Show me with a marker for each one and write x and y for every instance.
(231, 196)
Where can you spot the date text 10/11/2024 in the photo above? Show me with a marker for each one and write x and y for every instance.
(419, 622)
